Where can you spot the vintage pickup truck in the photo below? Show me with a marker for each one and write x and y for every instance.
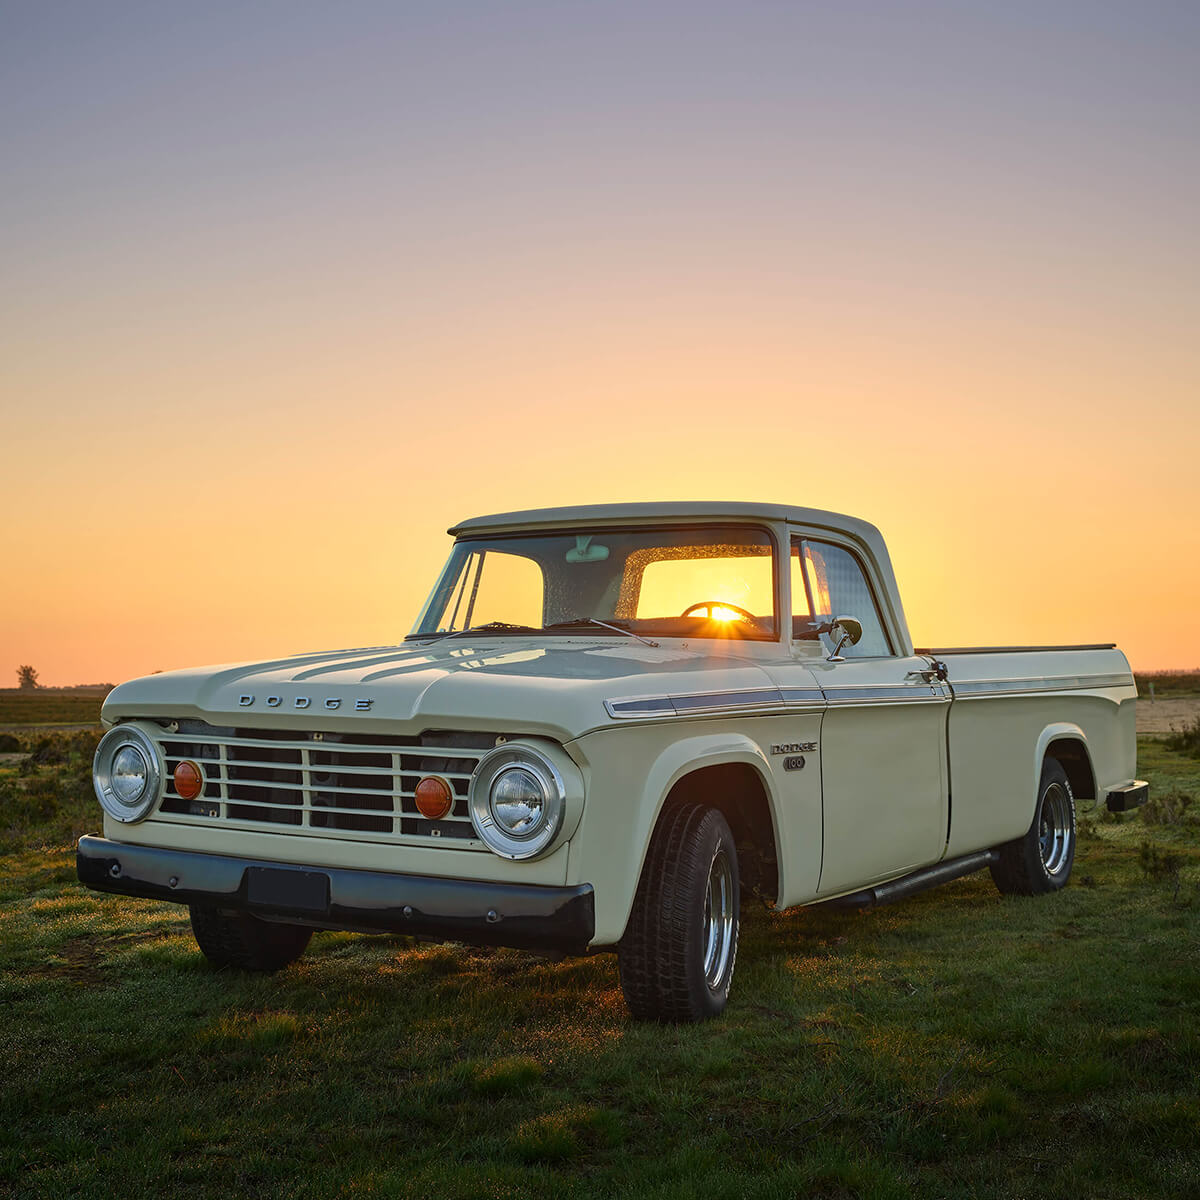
(607, 726)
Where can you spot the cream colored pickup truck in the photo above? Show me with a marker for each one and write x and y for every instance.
(607, 726)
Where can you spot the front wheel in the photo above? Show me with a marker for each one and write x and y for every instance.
(1041, 861)
(678, 953)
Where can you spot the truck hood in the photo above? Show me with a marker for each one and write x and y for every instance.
(556, 687)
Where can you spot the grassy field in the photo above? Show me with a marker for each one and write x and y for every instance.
(1168, 683)
(47, 707)
(955, 1045)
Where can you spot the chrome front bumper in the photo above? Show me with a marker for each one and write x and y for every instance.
(550, 919)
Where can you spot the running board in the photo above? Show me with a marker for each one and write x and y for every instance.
(918, 881)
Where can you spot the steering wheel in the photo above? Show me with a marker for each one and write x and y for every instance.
(711, 604)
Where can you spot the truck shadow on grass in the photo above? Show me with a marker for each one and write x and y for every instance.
(815, 946)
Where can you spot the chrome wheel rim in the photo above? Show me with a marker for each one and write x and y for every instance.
(1054, 828)
(718, 921)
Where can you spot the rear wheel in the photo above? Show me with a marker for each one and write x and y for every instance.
(680, 947)
(239, 940)
(1041, 861)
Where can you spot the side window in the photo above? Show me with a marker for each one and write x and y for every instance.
(803, 622)
(837, 587)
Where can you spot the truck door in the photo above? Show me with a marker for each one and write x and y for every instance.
(883, 755)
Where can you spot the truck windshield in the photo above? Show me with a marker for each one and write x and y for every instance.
(695, 581)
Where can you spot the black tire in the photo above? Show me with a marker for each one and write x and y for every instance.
(680, 946)
(240, 940)
(1041, 861)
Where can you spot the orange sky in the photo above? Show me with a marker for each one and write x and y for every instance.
(282, 304)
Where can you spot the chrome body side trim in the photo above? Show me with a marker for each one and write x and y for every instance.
(707, 701)
(903, 693)
(689, 703)
(786, 698)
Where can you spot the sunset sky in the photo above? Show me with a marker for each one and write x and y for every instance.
(289, 288)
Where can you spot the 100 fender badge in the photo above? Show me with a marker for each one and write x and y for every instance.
(361, 704)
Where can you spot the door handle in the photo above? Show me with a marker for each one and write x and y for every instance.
(936, 671)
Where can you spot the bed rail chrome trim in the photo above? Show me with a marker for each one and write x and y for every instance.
(967, 689)
(927, 651)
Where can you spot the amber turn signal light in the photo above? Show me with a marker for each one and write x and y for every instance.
(189, 780)
(434, 798)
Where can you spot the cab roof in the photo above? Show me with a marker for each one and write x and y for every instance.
(669, 510)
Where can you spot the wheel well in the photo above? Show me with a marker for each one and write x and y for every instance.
(737, 792)
(1073, 756)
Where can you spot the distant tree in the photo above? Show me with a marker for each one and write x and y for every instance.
(27, 678)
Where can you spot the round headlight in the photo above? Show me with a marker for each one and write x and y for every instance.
(126, 773)
(130, 773)
(518, 801)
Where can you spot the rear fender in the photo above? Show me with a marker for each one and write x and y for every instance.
(1060, 732)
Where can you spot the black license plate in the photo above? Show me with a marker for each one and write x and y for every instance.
(307, 891)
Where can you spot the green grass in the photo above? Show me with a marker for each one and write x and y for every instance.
(1185, 740)
(954, 1045)
(45, 707)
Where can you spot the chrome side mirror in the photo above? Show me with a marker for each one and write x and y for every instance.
(843, 630)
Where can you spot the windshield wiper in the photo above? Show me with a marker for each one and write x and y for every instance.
(488, 627)
(604, 625)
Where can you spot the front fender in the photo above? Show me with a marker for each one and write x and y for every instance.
(693, 754)
(630, 774)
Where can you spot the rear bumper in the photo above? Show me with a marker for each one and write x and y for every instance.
(554, 919)
(1127, 796)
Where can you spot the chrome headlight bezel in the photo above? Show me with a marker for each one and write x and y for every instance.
(117, 739)
(492, 832)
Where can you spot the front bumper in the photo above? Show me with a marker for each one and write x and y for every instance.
(554, 919)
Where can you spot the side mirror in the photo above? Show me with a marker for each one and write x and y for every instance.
(845, 629)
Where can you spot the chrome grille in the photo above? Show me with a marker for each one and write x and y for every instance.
(327, 784)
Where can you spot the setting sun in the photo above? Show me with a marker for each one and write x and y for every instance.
(719, 612)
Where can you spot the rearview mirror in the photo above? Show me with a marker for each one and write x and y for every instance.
(586, 551)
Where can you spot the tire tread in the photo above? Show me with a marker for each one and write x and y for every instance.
(653, 955)
(1019, 870)
(243, 941)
